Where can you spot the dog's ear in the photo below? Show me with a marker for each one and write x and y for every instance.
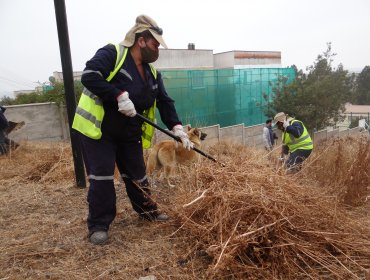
(197, 132)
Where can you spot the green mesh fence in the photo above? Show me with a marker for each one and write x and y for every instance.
(225, 97)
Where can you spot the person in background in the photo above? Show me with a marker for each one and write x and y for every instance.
(120, 82)
(296, 141)
(268, 136)
(4, 124)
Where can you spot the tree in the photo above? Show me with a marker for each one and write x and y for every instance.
(316, 97)
(56, 94)
(6, 100)
(362, 88)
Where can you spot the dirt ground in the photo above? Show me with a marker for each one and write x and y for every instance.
(44, 235)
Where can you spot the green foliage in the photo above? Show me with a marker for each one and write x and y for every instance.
(6, 100)
(362, 89)
(57, 95)
(316, 97)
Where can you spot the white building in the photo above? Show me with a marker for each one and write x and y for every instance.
(202, 59)
(354, 113)
(198, 59)
(59, 76)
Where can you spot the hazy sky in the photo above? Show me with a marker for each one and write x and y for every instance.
(299, 29)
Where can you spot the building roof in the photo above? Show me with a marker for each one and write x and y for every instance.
(357, 109)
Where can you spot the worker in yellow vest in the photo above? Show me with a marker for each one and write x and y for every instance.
(120, 82)
(296, 141)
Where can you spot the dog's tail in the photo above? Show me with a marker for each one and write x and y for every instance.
(152, 161)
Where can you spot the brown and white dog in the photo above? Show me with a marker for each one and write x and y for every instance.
(168, 154)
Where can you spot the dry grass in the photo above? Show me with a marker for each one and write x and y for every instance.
(342, 167)
(243, 221)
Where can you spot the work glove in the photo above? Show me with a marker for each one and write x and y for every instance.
(179, 132)
(125, 105)
(285, 124)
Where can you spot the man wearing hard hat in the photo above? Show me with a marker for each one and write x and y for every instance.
(296, 141)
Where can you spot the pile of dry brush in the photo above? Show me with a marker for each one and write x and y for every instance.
(249, 220)
(342, 168)
(246, 220)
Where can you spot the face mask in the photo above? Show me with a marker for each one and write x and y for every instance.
(148, 55)
(280, 126)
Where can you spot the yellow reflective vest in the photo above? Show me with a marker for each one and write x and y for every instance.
(304, 142)
(90, 111)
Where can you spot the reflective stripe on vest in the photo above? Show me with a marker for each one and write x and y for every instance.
(304, 142)
(90, 111)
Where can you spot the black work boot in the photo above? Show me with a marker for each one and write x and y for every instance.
(161, 218)
(98, 237)
(154, 216)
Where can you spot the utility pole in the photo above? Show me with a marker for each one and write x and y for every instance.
(65, 55)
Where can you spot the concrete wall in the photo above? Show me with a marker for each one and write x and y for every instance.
(171, 59)
(224, 60)
(43, 121)
(261, 59)
(232, 134)
(247, 59)
(48, 122)
(320, 136)
(238, 134)
(332, 134)
(59, 76)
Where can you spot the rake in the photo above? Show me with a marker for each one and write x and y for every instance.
(178, 139)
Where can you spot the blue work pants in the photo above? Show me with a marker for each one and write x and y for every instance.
(296, 158)
(100, 157)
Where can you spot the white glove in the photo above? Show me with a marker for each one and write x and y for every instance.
(125, 105)
(179, 131)
(285, 124)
